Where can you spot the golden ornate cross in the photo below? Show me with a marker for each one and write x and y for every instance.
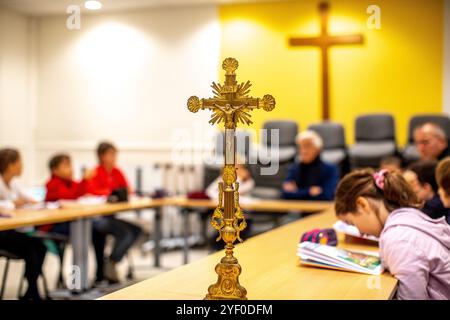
(324, 41)
(231, 101)
(231, 105)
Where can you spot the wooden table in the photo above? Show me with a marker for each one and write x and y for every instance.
(23, 217)
(26, 217)
(80, 217)
(270, 271)
(254, 205)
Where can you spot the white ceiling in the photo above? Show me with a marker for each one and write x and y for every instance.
(52, 7)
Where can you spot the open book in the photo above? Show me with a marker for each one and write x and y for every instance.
(319, 255)
(341, 226)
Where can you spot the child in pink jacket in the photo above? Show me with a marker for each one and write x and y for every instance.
(413, 247)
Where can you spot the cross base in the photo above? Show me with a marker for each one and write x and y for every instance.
(227, 286)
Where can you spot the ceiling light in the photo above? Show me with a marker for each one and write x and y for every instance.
(93, 5)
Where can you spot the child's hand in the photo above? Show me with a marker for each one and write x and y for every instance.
(20, 203)
(88, 174)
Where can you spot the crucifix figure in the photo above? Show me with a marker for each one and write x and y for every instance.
(324, 41)
(230, 105)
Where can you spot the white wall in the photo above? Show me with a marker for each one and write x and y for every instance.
(17, 94)
(124, 77)
(446, 82)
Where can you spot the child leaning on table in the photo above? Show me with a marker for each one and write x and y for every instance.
(413, 247)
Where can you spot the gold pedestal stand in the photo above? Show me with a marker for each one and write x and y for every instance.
(231, 105)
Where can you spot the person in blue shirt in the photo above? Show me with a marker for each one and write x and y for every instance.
(311, 178)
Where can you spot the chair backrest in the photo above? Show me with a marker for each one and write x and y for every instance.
(441, 120)
(269, 181)
(332, 134)
(288, 132)
(8, 255)
(210, 173)
(375, 127)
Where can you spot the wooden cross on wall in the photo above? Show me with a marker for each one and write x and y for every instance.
(324, 41)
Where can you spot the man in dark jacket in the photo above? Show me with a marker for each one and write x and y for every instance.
(311, 179)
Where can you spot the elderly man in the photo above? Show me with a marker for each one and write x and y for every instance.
(311, 179)
(431, 142)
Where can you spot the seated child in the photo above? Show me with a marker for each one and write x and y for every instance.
(443, 181)
(413, 247)
(246, 185)
(61, 186)
(106, 179)
(11, 194)
(31, 250)
(244, 178)
(391, 163)
(421, 177)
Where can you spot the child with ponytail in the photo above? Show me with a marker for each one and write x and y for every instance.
(413, 247)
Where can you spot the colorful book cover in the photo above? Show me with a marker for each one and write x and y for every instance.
(351, 260)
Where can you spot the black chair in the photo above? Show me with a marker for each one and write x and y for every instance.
(374, 140)
(287, 133)
(268, 186)
(334, 149)
(10, 256)
(61, 242)
(409, 152)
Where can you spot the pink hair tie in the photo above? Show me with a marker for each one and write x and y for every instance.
(379, 178)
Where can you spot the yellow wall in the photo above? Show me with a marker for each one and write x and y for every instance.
(397, 70)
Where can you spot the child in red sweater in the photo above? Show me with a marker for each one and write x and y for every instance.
(106, 179)
(61, 186)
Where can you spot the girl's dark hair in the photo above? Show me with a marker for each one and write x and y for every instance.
(7, 157)
(395, 194)
(104, 147)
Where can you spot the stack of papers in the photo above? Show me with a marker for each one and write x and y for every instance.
(83, 201)
(42, 206)
(323, 256)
